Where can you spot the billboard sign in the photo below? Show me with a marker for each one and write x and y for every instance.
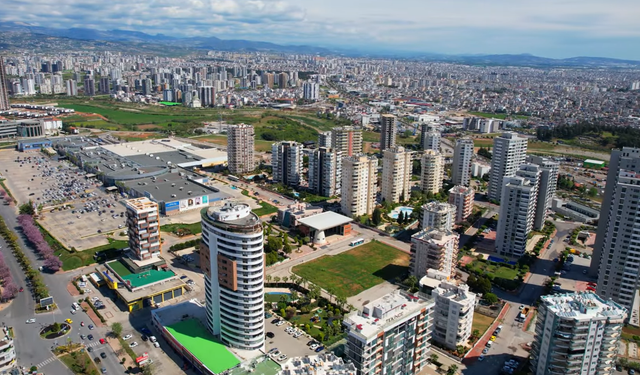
(143, 359)
(168, 206)
(47, 301)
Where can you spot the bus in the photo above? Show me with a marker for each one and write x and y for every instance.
(233, 178)
(357, 242)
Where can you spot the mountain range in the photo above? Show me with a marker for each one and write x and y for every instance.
(20, 36)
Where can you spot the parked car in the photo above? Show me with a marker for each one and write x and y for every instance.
(270, 335)
(127, 337)
(133, 344)
(319, 349)
(90, 337)
(30, 321)
(103, 355)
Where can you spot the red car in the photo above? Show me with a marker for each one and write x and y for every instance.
(21, 289)
(592, 284)
(591, 289)
(103, 341)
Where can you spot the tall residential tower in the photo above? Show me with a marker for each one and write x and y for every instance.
(509, 153)
(286, 161)
(143, 228)
(387, 131)
(359, 185)
(240, 152)
(462, 155)
(396, 174)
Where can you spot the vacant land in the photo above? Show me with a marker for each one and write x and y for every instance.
(259, 145)
(76, 259)
(354, 271)
(481, 322)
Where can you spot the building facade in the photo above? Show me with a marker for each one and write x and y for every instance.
(391, 334)
(387, 131)
(509, 153)
(311, 91)
(576, 333)
(462, 197)
(359, 185)
(616, 250)
(517, 210)
(240, 148)
(453, 314)
(546, 189)
(286, 162)
(430, 138)
(461, 168)
(4, 89)
(433, 249)
(89, 86)
(232, 260)
(143, 226)
(432, 172)
(72, 88)
(325, 171)
(438, 215)
(347, 140)
(397, 164)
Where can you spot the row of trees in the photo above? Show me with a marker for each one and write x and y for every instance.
(6, 197)
(626, 135)
(9, 288)
(34, 235)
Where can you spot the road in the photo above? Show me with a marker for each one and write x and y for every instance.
(30, 348)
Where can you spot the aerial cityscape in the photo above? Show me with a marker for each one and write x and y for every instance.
(279, 188)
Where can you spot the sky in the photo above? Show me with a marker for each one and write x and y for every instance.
(549, 28)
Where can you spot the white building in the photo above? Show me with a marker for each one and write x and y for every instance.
(617, 247)
(432, 172)
(430, 138)
(324, 139)
(479, 169)
(396, 174)
(286, 162)
(347, 140)
(359, 185)
(517, 210)
(143, 228)
(509, 153)
(387, 131)
(453, 314)
(577, 333)
(438, 215)
(325, 171)
(546, 188)
(240, 148)
(433, 249)
(325, 363)
(232, 260)
(391, 333)
(72, 88)
(311, 91)
(461, 168)
(462, 198)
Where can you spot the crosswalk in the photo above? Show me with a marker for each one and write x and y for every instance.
(54, 358)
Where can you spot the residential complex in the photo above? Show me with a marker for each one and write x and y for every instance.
(7, 348)
(461, 168)
(325, 171)
(143, 226)
(462, 198)
(359, 185)
(324, 139)
(438, 215)
(509, 152)
(546, 187)
(432, 172)
(576, 333)
(240, 148)
(616, 250)
(89, 86)
(433, 249)
(453, 314)
(232, 260)
(430, 138)
(347, 140)
(311, 91)
(396, 174)
(391, 334)
(517, 210)
(387, 131)
(286, 162)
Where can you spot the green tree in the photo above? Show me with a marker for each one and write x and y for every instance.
(434, 358)
(27, 208)
(314, 292)
(475, 334)
(116, 328)
(491, 298)
(276, 279)
(377, 216)
(55, 327)
(273, 244)
(452, 370)
(287, 248)
(593, 192)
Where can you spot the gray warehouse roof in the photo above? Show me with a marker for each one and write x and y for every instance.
(325, 220)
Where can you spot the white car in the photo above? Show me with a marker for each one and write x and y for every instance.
(127, 337)
(280, 323)
(297, 334)
(31, 321)
(133, 344)
(156, 344)
(313, 346)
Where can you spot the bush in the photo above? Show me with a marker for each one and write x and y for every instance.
(95, 310)
(185, 245)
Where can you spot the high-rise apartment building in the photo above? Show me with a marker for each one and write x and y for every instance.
(324, 139)
(143, 224)
(387, 131)
(4, 88)
(147, 86)
(232, 260)
(325, 171)
(89, 86)
(432, 172)
(283, 80)
(509, 153)
(359, 185)
(347, 140)
(430, 138)
(617, 247)
(517, 210)
(433, 249)
(286, 162)
(576, 333)
(391, 334)
(207, 96)
(546, 187)
(104, 85)
(72, 88)
(461, 168)
(453, 314)
(240, 151)
(462, 198)
(438, 215)
(268, 79)
(311, 91)
(396, 174)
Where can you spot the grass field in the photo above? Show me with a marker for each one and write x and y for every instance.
(194, 228)
(83, 258)
(483, 142)
(79, 363)
(259, 145)
(481, 322)
(356, 270)
(499, 271)
(265, 209)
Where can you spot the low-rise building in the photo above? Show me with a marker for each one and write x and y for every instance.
(289, 217)
(575, 211)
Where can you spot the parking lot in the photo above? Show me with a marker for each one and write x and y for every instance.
(285, 343)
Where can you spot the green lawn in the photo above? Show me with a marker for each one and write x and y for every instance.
(499, 271)
(83, 258)
(481, 322)
(265, 209)
(79, 363)
(194, 228)
(356, 270)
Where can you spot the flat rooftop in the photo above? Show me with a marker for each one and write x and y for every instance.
(325, 220)
(196, 339)
(259, 366)
(139, 280)
(583, 305)
(435, 236)
(164, 187)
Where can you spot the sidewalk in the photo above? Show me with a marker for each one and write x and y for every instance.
(476, 351)
(117, 348)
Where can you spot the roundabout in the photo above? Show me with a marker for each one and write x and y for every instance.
(55, 330)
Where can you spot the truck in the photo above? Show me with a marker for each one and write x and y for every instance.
(523, 314)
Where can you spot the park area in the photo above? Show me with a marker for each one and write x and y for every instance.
(505, 274)
(356, 270)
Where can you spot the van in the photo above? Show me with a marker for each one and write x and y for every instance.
(76, 306)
